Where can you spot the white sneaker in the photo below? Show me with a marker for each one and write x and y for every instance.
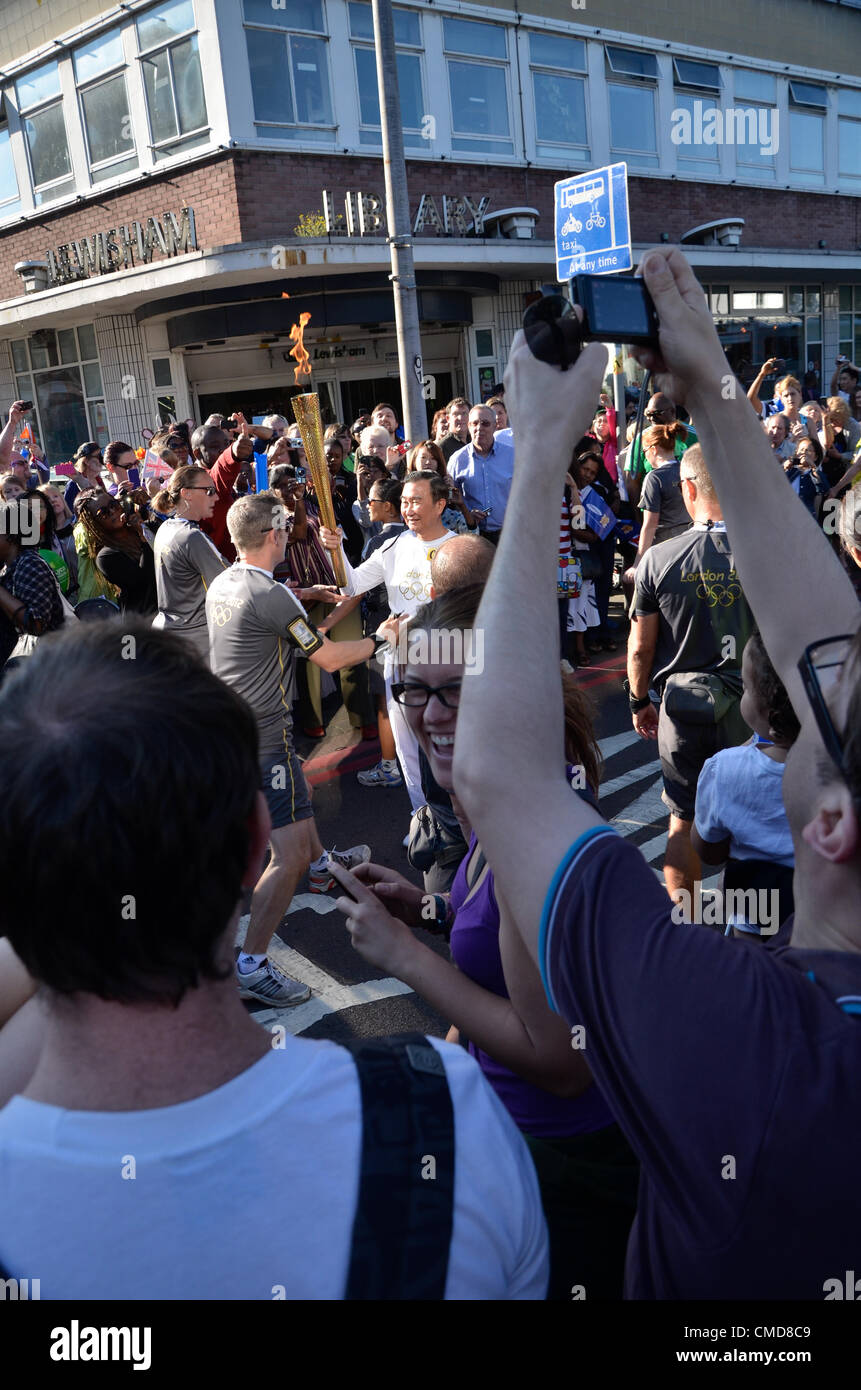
(321, 881)
(269, 985)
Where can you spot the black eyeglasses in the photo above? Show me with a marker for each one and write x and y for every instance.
(201, 487)
(656, 414)
(820, 668)
(416, 695)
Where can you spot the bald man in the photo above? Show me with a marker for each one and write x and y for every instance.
(461, 561)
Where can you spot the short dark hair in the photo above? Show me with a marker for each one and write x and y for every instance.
(849, 370)
(770, 691)
(390, 491)
(439, 486)
(146, 917)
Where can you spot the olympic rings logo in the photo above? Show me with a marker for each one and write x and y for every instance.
(718, 594)
(222, 614)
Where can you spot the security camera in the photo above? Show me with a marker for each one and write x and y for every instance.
(34, 275)
(729, 234)
(725, 231)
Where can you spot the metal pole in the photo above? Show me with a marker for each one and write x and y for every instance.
(400, 232)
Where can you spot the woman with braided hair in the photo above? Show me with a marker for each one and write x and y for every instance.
(186, 561)
(119, 551)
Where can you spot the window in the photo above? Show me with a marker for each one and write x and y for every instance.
(632, 105)
(100, 75)
(697, 95)
(289, 71)
(758, 299)
(478, 89)
(407, 35)
(560, 100)
(756, 92)
(172, 78)
(59, 371)
(849, 135)
(704, 75)
(41, 108)
(807, 131)
(10, 202)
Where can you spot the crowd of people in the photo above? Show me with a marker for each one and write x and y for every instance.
(634, 1098)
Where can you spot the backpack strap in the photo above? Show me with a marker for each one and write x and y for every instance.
(405, 1211)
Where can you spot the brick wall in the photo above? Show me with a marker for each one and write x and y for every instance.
(245, 196)
(293, 184)
(209, 188)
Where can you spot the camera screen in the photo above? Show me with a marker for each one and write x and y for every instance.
(619, 308)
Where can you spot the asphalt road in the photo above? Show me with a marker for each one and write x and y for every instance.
(352, 999)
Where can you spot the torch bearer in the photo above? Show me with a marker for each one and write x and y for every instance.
(306, 408)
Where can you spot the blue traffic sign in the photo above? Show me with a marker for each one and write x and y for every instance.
(593, 230)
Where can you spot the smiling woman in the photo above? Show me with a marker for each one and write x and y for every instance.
(492, 992)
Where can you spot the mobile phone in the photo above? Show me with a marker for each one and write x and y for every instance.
(616, 309)
(28, 405)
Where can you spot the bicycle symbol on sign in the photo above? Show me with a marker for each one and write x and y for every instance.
(587, 193)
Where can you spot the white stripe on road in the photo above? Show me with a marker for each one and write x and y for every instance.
(315, 902)
(329, 996)
(647, 810)
(629, 779)
(616, 742)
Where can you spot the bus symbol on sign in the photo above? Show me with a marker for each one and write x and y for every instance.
(593, 207)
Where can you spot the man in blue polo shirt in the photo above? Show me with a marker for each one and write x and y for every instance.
(483, 470)
(732, 1072)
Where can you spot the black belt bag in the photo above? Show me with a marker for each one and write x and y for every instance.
(697, 697)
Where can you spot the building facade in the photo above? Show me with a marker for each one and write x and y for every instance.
(179, 180)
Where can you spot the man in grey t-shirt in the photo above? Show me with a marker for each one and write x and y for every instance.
(691, 620)
(257, 630)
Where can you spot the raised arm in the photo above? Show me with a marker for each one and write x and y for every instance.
(7, 435)
(776, 542)
(753, 390)
(525, 838)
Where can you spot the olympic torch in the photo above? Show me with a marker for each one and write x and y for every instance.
(306, 408)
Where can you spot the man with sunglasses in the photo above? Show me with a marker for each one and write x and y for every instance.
(660, 410)
(733, 1072)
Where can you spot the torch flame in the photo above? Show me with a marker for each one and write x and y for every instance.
(297, 336)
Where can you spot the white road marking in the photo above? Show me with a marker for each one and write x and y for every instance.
(616, 742)
(647, 810)
(315, 902)
(629, 779)
(329, 996)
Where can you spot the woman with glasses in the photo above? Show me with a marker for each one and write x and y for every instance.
(88, 471)
(120, 552)
(186, 561)
(492, 992)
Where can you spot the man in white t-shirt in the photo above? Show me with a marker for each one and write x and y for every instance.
(161, 1144)
(404, 566)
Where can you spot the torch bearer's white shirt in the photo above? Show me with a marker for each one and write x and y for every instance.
(404, 566)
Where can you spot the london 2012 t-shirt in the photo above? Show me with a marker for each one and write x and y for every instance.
(248, 614)
(690, 581)
(732, 1070)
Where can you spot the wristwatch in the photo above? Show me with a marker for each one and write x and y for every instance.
(635, 702)
(379, 641)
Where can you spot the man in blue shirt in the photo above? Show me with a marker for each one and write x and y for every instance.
(483, 470)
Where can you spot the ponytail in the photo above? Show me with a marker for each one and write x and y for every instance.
(167, 500)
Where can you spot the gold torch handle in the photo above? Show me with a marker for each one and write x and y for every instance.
(306, 408)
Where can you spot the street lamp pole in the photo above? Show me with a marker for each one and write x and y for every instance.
(403, 276)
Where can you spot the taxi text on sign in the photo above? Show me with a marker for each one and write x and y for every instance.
(593, 229)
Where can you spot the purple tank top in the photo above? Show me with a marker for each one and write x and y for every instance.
(475, 951)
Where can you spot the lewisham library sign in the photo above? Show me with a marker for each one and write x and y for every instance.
(120, 248)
